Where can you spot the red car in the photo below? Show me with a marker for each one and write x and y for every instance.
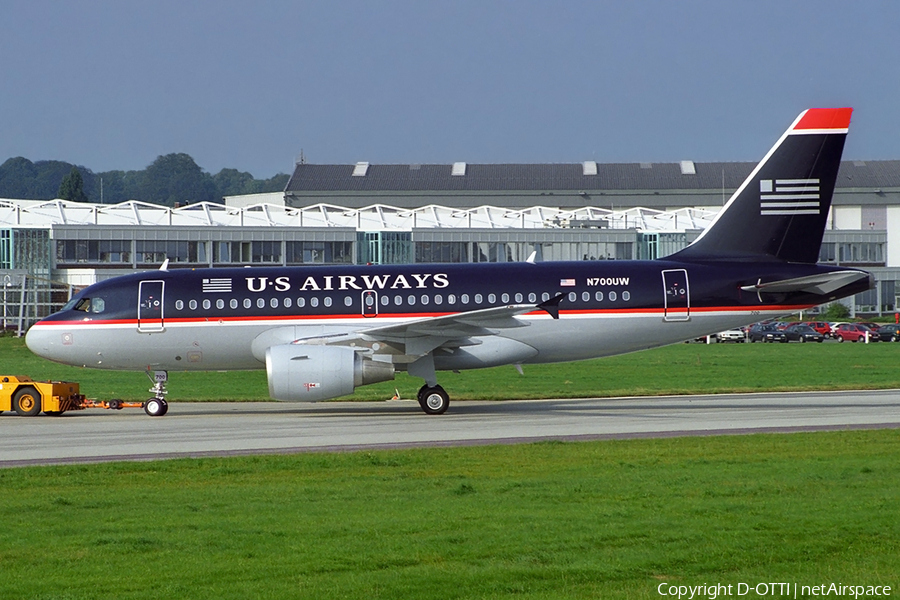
(821, 327)
(855, 333)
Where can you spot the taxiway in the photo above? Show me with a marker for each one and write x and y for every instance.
(229, 429)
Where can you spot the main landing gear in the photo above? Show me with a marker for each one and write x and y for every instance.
(157, 405)
(433, 399)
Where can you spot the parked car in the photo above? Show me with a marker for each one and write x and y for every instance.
(820, 326)
(731, 335)
(889, 333)
(803, 333)
(767, 332)
(855, 333)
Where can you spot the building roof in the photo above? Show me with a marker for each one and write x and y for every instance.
(310, 178)
(375, 217)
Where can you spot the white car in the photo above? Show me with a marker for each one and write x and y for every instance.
(731, 335)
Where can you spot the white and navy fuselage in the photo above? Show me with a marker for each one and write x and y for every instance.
(321, 331)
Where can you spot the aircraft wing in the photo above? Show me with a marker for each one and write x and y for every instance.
(823, 283)
(418, 337)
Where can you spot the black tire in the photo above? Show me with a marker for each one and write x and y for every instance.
(115, 404)
(155, 408)
(27, 402)
(165, 408)
(894, 338)
(434, 400)
(840, 339)
(802, 339)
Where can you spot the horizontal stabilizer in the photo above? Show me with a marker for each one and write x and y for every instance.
(821, 284)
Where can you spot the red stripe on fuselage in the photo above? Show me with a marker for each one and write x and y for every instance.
(424, 315)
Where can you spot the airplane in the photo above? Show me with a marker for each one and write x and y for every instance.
(322, 331)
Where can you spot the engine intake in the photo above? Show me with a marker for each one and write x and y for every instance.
(301, 373)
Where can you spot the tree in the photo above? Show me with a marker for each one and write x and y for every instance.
(176, 178)
(837, 312)
(72, 187)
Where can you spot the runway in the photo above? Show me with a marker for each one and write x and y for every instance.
(231, 429)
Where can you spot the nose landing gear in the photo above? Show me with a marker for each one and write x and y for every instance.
(157, 405)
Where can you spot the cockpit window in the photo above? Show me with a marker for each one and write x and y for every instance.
(91, 305)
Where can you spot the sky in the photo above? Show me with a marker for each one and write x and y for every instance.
(112, 84)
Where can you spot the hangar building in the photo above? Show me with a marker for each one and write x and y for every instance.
(433, 213)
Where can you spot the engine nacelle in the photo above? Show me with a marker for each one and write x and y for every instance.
(301, 373)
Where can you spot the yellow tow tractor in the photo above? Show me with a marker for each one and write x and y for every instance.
(29, 397)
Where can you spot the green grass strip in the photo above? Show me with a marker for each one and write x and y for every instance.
(677, 369)
(550, 520)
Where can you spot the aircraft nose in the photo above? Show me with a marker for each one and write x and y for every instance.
(38, 341)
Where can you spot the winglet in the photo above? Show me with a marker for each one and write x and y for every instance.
(551, 306)
(165, 265)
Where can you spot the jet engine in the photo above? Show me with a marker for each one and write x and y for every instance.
(301, 373)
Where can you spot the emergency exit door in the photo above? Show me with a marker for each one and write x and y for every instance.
(150, 306)
(677, 295)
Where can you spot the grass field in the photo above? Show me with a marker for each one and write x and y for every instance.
(677, 369)
(550, 520)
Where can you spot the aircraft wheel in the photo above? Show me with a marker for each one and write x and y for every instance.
(27, 402)
(434, 400)
(155, 407)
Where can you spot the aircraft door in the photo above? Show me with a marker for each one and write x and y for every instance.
(370, 303)
(150, 306)
(677, 295)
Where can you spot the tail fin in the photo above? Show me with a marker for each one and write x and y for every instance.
(781, 208)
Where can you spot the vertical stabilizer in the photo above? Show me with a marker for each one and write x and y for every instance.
(781, 208)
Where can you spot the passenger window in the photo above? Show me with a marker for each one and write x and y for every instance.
(464, 298)
(519, 297)
(348, 300)
(385, 300)
(260, 303)
(585, 296)
(207, 304)
(327, 301)
(532, 297)
(301, 302)
(424, 299)
(451, 299)
(438, 299)
(612, 296)
(626, 295)
(233, 304)
(573, 296)
(545, 296)
(411, 300)
(273, 302)
(179, 304)
(598, 296)
(248, 303)
(504, 298)
(398, 300)
(478, 298)
(314, 302)
(192, 305)
(220, 303)
(287, 302)
(492, 298)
